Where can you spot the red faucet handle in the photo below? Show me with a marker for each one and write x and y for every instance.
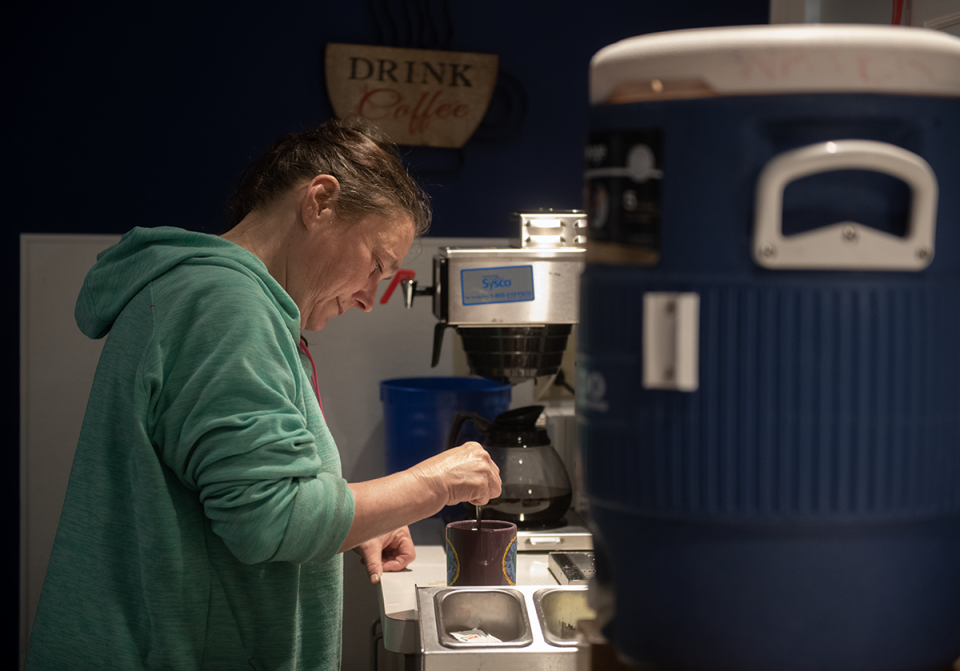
(401, 275)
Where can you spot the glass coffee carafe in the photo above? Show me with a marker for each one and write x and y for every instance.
(536, 490)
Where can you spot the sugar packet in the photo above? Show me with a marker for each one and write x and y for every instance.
(475, 636)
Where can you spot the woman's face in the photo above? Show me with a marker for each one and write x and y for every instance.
(344, 262)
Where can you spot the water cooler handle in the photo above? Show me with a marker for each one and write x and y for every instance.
(846, 245)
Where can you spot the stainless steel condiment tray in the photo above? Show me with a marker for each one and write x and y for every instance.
(536, 626)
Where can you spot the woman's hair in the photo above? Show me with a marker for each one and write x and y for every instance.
(373, 179)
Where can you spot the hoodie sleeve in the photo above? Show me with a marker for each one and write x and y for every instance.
(230, 414)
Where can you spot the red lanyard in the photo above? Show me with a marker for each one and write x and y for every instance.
(313, 378)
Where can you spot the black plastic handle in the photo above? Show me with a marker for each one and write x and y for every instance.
(461, 419)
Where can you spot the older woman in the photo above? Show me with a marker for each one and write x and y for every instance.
(206, 512)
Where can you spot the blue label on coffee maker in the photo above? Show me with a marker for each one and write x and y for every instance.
(508, 284)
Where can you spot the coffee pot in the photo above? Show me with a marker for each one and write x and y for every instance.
(535, 487)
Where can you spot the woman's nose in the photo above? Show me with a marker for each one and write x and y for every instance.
(366, 296)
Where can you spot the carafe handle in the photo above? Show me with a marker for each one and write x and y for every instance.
(462, 418)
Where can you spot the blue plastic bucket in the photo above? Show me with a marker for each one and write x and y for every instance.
(419, 411)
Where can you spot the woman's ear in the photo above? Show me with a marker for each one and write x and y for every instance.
(318, 199)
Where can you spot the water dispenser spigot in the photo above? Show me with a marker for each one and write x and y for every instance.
(405, 278)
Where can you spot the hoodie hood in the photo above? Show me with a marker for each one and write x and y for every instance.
(144, 254)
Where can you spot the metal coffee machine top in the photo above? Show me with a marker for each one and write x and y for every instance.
(515, 306)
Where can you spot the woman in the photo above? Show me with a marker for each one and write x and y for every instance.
(206, 512)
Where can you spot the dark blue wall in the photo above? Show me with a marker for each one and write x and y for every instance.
(144, 114)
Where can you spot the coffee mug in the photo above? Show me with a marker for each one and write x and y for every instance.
(484, 556)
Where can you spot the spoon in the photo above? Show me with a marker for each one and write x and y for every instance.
(478, 518)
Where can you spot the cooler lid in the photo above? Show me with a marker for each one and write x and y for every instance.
(777, 59)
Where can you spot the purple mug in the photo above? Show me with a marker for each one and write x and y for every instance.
(484, 556)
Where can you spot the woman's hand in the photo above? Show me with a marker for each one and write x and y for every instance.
(465, 473)
(392, 551)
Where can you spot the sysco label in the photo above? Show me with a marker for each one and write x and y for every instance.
(509, 284)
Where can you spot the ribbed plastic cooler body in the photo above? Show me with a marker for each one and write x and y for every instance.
(800, 507)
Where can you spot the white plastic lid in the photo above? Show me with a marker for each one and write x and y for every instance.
(772, 59)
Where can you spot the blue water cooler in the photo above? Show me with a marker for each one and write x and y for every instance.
(769, 348)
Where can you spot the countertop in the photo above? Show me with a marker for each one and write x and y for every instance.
(398, 592)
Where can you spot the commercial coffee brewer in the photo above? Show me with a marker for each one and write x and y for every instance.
(514, 309)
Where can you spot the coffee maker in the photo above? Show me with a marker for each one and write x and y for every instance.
(514, 309)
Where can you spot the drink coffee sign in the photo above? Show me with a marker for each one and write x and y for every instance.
(416, 96)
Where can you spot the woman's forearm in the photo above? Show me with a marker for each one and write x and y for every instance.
(465, 473)
(388, 503)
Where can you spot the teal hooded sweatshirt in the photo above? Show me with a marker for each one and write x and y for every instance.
(206, 506)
